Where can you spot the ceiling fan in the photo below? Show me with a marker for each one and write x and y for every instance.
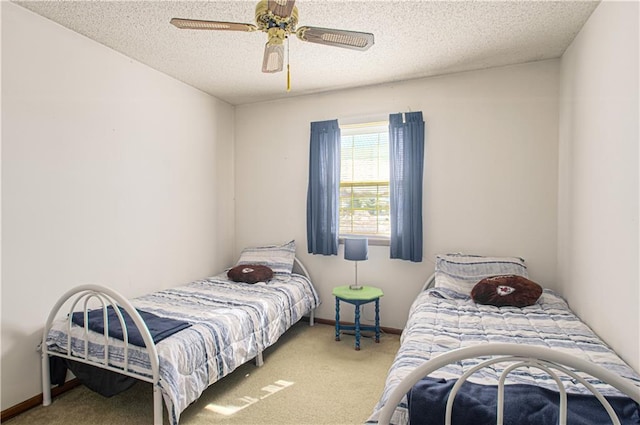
(278, 18)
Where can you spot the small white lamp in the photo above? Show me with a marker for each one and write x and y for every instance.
(356, 250)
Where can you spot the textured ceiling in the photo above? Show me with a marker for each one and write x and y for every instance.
(413, 39)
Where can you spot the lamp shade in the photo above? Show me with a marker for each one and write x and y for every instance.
(356, 249)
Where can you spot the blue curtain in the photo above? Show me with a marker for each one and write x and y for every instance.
(406, 149)
(324, 188)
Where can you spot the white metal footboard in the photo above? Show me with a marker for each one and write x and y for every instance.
(84, 295)
(521, 356)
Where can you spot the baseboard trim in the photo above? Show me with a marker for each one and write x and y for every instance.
(37, 400)
(384, 329)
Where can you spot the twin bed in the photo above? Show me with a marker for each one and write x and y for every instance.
(544, 350)
(453, 335)
(181, 339)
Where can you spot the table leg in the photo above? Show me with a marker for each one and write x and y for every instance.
(357, 327)
(337, 319)
(378, 320)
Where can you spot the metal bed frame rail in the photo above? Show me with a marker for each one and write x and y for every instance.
(542, 358)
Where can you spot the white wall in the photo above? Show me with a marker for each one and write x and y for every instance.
(112, 173)
(598, 196)
(490, 184)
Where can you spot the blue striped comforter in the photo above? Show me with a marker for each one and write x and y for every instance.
(441, 320)
(231, 323)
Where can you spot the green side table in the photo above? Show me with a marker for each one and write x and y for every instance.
(357, 297)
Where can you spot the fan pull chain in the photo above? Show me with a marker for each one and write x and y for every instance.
(288, 68)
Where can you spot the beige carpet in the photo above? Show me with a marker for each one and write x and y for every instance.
(307, 378)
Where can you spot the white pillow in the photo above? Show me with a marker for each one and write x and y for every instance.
(461, 272)
(278, 258)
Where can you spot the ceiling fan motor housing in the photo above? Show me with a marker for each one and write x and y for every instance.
(266, 19)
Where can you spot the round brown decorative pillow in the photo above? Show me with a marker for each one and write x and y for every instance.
(250, 273)
(507, 290)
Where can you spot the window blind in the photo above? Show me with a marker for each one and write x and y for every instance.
(364, 180)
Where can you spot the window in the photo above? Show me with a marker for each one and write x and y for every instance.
(356, 194)
(364, 180)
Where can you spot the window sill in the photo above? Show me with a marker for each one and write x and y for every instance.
(373, 240)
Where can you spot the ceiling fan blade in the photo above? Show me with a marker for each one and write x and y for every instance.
(282, 8)
(339, 38)
(194, 24)
(273, 59)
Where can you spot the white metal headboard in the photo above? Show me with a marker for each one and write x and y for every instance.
(299, 267)
(431, 280)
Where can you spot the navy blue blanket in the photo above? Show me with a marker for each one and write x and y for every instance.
(159, 327)
(475, 404)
